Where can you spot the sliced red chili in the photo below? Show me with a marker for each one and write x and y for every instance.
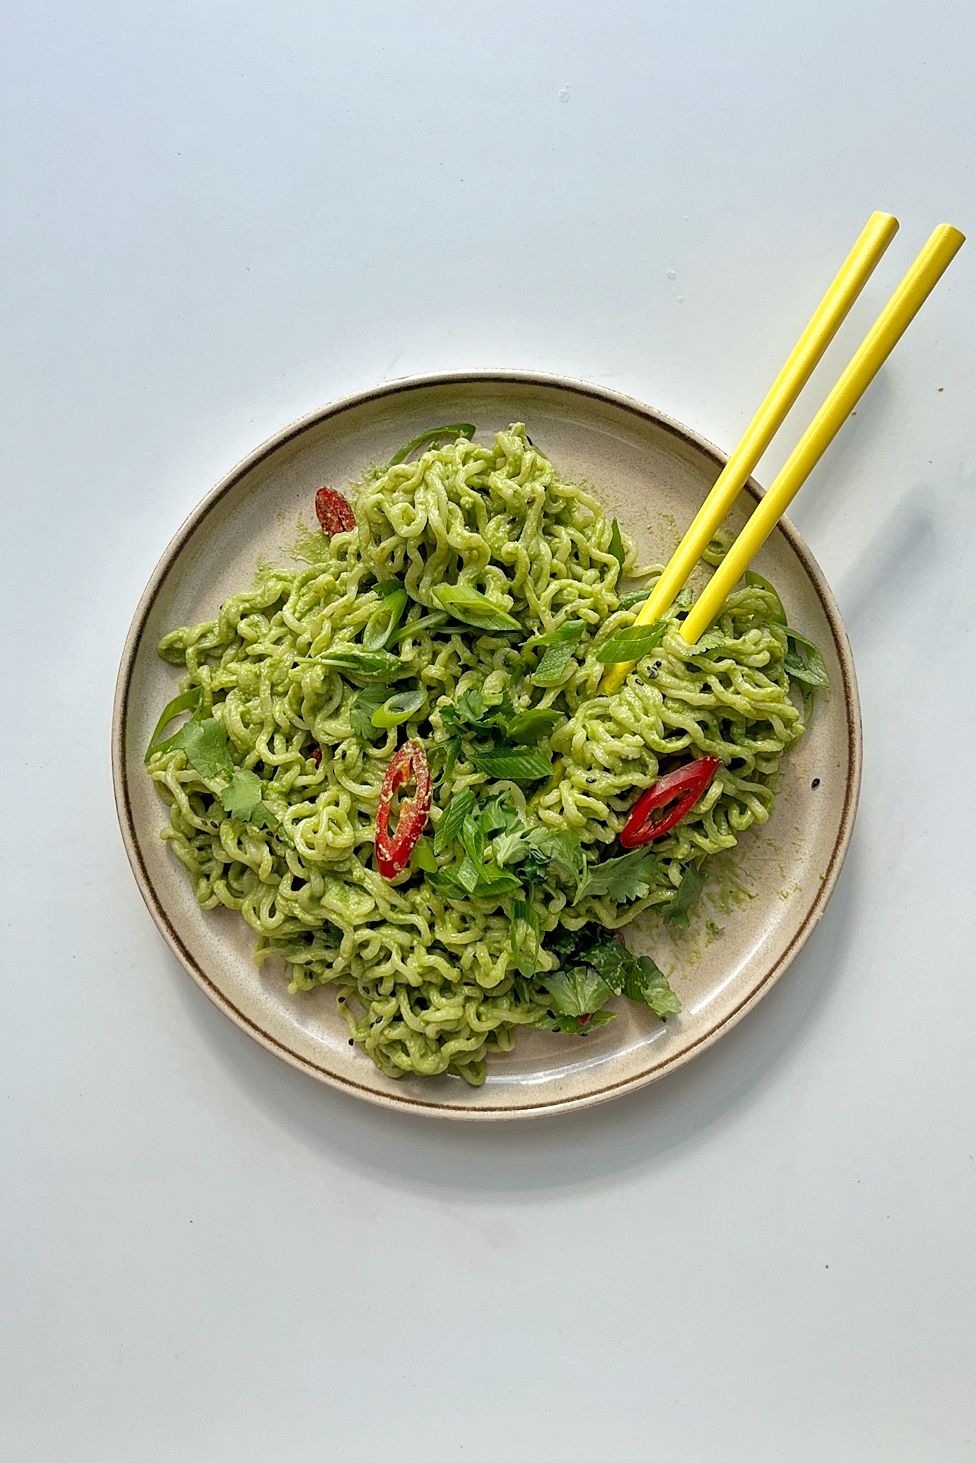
(393, 851)
(653, 814)
(315, 755)
(333, 512)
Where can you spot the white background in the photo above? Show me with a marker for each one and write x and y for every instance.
(219, 216)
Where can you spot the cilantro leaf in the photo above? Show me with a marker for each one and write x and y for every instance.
(361, 709)
(612, 961)
(241, 799)
(472, 714)
(649, 986)
(635, 597)
(205, 745)
(242, 794)
(623, 879)
(576, 991)
(525, 937)
(635, 976)
(560, 847)
(499, 813)
(510, 847)
(534, 851)
(692, 884)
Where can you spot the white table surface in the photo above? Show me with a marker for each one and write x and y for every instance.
(218, 217)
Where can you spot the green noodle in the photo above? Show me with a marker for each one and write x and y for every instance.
(430, 984)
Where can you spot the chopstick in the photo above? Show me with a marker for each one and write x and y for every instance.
(884, 335)
(934, 259)
(824, 323)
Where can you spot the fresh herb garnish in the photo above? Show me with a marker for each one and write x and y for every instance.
(810, 671)
(635, 976)
(514, 765)
(537, 848)
(530, 726)
(205, 745)
(623, 879)
(186, 701)
(525, 937)
(449, 827)
(471, 713)
(397, 709)
(631, 644)
(616, 545)
(649, 986)
(577, 991)
(446, 884)
(241, 799)
(435, 436)
(423, 858)
(692, 884)
(474, 608)
(575, 1025)
(434, 621)
(558, 646)
(361, 709)
(366, 665)
(777, 614)
(385, 618)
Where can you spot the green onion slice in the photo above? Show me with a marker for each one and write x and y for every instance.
(632, 643)
(436, 435)
(187, 701)
(473, 608)
(384, 619)
(398, 709)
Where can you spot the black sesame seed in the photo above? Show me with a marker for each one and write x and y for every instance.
(351, 1042)
(815, 782)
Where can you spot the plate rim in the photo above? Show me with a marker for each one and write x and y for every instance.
(123, 802)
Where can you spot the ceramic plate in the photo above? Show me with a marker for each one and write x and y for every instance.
(762, 900)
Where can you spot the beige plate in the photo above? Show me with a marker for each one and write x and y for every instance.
(764, 898)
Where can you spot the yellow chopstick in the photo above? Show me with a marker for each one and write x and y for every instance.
(884, 335)
(851, 278)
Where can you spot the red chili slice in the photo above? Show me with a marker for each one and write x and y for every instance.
(686, 784)
(409, 765)
(333, 512)
(315, 755)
